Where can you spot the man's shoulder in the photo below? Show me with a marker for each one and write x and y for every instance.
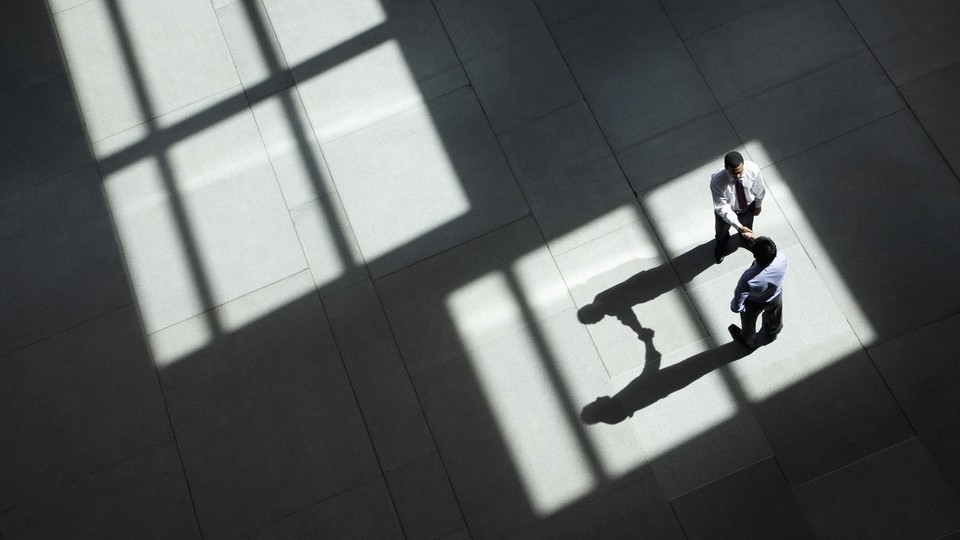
(718, 176)
(751, 166)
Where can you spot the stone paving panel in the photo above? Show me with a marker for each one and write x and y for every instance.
(141, 497)
(896, 494)
(254, 48)
(61, 265)
(424, 499)
(436, 167)
(479, 27)
(935, 100)
(638, 84)
(772, 45)
(266, 420)
(131, 62)
(328, 243)
(692, 17)
(75, 403)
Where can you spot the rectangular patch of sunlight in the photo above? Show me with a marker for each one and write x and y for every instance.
(531, 418)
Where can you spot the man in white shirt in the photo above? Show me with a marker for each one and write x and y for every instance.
(738, 192)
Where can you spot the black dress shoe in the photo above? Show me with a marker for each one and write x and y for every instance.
(737, 336)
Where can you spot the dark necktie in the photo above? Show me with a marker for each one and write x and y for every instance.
(741, 196)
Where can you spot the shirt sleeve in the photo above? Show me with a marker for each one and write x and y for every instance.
(759, 190)
(721, 205)
(740, 295)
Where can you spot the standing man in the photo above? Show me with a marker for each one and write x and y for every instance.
(738, 192)
(760, 290)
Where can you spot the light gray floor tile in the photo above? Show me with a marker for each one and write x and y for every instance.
(700, 143)
(814, 108)
(694, 16)
(199, 211)
(681, 214)
(522, 81)
(936, 102)
(639, 510)
(685, 407)
(423, 181)
(921, 370)
(817, 398)
(755, 502)
(389, 404)
(910, 40)
(328, 243)
(575, 188)
(424, 499)
(292, 147)
(149, 58)
(364, 513)
(265, 417)
(858, 205)
(772, 45)
(356, 316)
(390, 55)
(66, 268)
(254, 48)
(42, 135)
(638, 83)
(479, 27)
(897, 494)
(630, 298)
(143, 497)
(76, 403)
(524, 452)
(468, 296)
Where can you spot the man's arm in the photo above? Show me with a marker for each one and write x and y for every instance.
(759, 190)
(721, 205)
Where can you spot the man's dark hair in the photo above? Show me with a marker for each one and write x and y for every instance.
(764, 250)
(732, 160)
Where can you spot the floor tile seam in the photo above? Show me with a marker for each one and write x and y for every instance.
(420, 102)
(771, 457)
(899, 90)
(718, 25)
(594, 6)
(210, 309)
(626, 149)
(525, 36)
(639, 220)
(81, 4)
(859, 460)
(5, 357)
(65, 485)
(906, 333)
(23, 191)
(949, 67)
(526, 122)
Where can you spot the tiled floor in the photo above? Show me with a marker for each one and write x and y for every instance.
(299, 269)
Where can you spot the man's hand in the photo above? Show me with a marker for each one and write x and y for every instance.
(745, 230)
(749, 235)
(756, 210)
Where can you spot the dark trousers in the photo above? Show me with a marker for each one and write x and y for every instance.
(772, 318)
(723, 228)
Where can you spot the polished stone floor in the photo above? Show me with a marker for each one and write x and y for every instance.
(318, 269)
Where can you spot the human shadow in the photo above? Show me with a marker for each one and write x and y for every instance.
(654, 384)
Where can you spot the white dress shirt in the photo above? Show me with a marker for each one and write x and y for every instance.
(724, 190)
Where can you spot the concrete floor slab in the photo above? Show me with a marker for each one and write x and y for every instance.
(922, 372)
(328, 243)
(910, 41)
(423, 484)
(364, 512)
(692, 17)
(434, 167)
(388, 402)
(477, 28)
(754, 502)
(897, 494)
(522, 81)
(476, 293)
(265, 417)
(771, 46)
(330, 47)
(146, 59)
(638, 84)
(356, 316)
(178, 214)
(294, 153)
(815, 108)
(845, 199)
(934, 99)
(76, 403)
(145, 495)
(573, 185)
(67, 267)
